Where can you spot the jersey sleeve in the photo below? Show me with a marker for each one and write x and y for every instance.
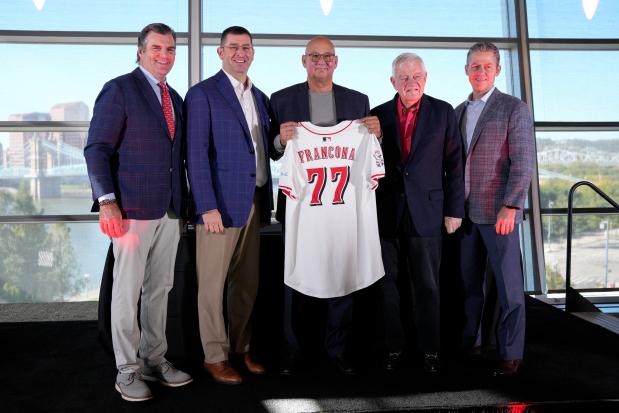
(372, 160)
(289, 176)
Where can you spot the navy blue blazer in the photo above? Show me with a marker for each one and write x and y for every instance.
(220, 153)
(430, 181)
(292, 105)
(129, 151)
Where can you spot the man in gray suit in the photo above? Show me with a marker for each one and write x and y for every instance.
(497, 134)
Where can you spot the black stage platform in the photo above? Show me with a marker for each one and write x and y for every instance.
(570, 366)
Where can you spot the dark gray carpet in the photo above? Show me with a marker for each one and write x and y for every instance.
(570, 365)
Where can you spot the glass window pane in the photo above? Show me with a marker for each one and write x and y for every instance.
(446, 78)
(595, 251)
(42, 80)
(364, 69)
(364, 17)
(43, 173)
(565, 158)
(93, 15)
(573, 19)
(564, 90)
(51, 262)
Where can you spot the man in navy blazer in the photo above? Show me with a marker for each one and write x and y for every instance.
(323, 103)
(422, 191)
(135, 164)
(499, 151)
(227, 142)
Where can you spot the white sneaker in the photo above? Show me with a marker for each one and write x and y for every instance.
(131, 387)
(166, 374)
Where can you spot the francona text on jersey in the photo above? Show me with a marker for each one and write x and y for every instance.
(327, 152)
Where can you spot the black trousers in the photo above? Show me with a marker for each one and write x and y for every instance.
(338, 319)
(418, 259)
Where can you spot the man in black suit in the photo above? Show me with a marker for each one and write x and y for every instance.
(422, 190)
(323, 103)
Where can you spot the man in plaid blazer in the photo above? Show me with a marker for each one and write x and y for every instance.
(228, 164)
(497, 135)
(135, 159)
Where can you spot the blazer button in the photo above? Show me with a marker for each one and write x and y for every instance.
(405, 173)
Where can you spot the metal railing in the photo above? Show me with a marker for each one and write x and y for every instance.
(574, 301)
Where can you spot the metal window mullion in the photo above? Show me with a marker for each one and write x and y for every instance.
(526, 92)
(195, 47)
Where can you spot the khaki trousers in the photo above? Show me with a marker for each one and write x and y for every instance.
(233, 257)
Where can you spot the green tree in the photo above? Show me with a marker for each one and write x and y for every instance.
(37, 261)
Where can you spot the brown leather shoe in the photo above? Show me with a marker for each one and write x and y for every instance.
(223, 372)
(507, 368)
(252, 365)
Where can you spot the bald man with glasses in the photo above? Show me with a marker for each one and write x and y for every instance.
(322, 102)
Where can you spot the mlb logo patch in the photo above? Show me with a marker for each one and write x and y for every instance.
(326, 138)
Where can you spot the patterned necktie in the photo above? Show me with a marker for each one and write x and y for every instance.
(166, 103)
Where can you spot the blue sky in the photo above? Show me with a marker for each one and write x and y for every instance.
(568, 85)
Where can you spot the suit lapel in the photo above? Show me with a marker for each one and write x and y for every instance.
(392, 124)
(262, 117)
(489, 107)
(225, 88)
(304, 104)
(151, 98)
(420, 124)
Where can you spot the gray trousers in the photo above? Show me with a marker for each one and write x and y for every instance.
(143, 267)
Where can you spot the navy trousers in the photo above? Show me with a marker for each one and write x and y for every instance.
(480, 244)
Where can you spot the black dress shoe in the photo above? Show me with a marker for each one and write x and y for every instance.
(288, 363)
(507, 368)
(431, 363)
(343, 365)
(393, 361)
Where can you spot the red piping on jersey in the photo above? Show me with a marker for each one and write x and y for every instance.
(375, 178)
(325, 134)
(287, 191)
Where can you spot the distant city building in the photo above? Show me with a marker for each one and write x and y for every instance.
(50, 149)
(22, 145)
(69, 145)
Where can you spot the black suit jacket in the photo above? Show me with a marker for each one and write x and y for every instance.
(430, 181)
(292, 105)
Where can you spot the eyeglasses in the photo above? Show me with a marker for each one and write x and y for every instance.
(235, 48)
(327, 57)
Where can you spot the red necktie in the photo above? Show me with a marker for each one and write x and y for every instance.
(408, 135)
(166, 103)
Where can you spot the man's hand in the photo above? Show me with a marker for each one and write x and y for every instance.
(111, 220)
(505, 221)
(287, 131)
(212, 221)
(452, 224)
(373, 125)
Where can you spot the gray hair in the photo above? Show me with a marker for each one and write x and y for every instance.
(406, 57)
(484, 47)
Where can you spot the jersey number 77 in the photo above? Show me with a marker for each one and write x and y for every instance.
(317, 176)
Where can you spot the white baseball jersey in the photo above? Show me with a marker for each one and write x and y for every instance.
(329, 175)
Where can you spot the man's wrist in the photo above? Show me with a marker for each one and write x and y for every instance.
(107, 202)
